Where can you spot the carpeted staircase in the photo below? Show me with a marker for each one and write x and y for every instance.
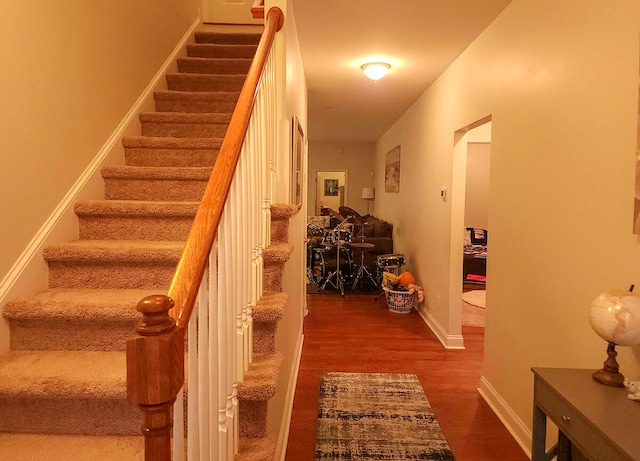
(63, 383)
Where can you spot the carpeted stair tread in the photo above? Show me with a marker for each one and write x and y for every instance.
(155, 183)
(39, 447)
(184, 124)
(259, 383)
(196, 101)
(115, 250)
(63, 374)
(135, 219)
(280, 216)
(157, 142)
(185, 117)
(74, 319)
(158, 173)
(138, 208)
(78, 304)
(283, 211)
(205, 82)
(256, 449)
(227, 38)
(214, 65)
(277, 253)
(270, 308)
(217, 50)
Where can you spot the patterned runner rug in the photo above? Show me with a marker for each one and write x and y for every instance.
(376, 416)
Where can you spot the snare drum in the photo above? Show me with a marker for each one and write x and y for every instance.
(388, 261)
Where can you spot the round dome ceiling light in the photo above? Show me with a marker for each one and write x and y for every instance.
(376, 70)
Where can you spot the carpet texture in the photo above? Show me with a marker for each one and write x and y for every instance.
(473, 308)
(63, 383)
(376, 416)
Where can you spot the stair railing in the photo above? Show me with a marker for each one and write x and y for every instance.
(221, 270)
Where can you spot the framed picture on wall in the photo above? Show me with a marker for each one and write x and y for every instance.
(392, 170)
(331, 187)
(297, 149)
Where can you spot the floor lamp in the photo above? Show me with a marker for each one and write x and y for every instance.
(368, 194)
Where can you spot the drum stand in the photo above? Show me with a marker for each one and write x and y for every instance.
(362, 270)
(337, 273)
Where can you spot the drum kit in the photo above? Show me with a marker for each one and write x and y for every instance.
(330, 263)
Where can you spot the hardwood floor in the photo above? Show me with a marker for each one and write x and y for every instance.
(357, 334)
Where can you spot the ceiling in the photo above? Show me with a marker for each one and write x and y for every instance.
(419, 38)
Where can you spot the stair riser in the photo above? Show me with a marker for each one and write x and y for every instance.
(253, 418)
(227, 38)
(279, 231)
(210, 50)
(184, 130)
(272, 277)
(128, 274)
(69, 416)
(140, 156)
(123, 228)
(264, 339)
(188, 82)
(197, 66)
(195, 107)
(75, 335)
(157, 190)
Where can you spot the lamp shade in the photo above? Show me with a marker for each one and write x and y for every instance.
(368, 193)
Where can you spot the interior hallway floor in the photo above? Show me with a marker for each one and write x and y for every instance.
(358, 334)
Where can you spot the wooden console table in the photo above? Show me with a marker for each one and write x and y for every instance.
(598, 420)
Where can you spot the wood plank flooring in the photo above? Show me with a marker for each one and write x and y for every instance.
(357, 334)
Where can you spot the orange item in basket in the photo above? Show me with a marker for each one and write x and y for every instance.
(406, 278)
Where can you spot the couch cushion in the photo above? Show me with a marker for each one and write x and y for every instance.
(383, 229)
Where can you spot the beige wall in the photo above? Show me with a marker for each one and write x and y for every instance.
(357, 159)
(476, 206)
(72, 72)
(560, 83)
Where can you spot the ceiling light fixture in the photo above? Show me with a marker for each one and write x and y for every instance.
(376, 70)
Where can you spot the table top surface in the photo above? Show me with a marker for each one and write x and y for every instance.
(606, 407)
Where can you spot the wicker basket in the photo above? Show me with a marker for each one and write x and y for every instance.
(400, 302)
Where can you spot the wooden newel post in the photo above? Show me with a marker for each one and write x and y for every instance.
(155, 372)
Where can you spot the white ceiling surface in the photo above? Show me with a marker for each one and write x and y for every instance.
(419, 38)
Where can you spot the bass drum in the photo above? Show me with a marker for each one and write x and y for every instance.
(318, 266)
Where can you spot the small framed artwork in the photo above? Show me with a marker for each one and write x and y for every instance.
(392, 170)
(297, 148)
(331, 187)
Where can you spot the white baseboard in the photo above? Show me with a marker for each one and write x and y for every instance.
(283, 436)
(29, 272)
(514, 425)
(447, 340)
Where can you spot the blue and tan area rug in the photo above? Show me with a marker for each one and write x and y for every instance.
(376, 416)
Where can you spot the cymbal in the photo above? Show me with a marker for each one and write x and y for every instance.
(346, 211)
(363, 245)
(335, 214)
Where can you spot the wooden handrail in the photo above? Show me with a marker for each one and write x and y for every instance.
(155, 354)
(186, 280)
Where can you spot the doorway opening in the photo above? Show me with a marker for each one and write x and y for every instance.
(470, 225)
(331, 189)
